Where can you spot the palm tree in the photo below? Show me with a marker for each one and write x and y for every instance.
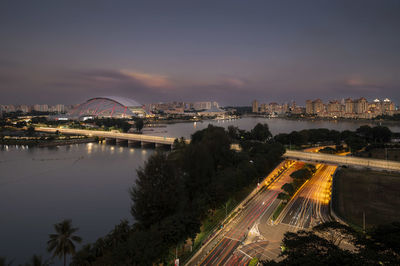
(3, 262)
(36, 260)
(62, 243)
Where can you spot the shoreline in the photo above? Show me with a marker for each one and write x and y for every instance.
(341, 119)
(160, 123)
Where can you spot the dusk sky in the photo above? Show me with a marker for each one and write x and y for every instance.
(228, 51)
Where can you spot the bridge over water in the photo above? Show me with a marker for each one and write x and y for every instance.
(297, 155)
(131, 138)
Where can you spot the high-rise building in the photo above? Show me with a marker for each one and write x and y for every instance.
(201, 105)
(388, 107)
(255, 106)
(24, 108)
(334, 107)
(41, 107)
(8, 108)
(361, 106)
(309, 107)
(318, 106)
(349, 106)
(59, 108)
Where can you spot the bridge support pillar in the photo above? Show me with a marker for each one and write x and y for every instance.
(110, 140)
(162, 146)
(147, 144)
(121, 141)
(134, 143)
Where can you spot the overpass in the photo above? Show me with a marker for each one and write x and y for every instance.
(131, 138)
(297, 155)
(343, 160)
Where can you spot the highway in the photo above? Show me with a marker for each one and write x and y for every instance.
(343, 160)
(310, 205)
(220, 252)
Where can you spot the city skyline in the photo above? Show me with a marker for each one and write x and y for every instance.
(231, 52)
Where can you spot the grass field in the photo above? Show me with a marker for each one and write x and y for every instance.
(375, 193)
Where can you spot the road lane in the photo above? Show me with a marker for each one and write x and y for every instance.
(310, 206)
(237, 230)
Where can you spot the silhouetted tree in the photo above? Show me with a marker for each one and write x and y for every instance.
(3, 262)
(288, 188)
(261, 132)
(62, 242)
(139, 123)
(37, 260)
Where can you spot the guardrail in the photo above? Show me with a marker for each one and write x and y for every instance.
(344, 160)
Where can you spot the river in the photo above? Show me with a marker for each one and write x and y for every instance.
(276, 126)
(87, 183)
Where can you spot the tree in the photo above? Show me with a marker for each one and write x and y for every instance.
(355, 143)
(335, 232)
(327, 150)
(36, 260)
(323, 246)
(381, 134)
(307, 248)
(62, 242)
(3, 262)
(365, 132)
(288, 187)
(283, 196)
(381, 244)
(139, 124)
(234, 133)
(155, 194)
(261, 132)
(30, 131)
(175, 191)
(302, 174)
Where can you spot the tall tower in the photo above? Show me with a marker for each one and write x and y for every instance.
(255, 106)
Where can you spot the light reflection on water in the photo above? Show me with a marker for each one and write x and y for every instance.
(87, 183)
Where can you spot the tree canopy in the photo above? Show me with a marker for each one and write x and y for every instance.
(175, 191)
(333, 243)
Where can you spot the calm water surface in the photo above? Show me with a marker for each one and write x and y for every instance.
(276, 126)
(87, 183)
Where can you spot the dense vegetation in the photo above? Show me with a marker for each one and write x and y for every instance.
(356, 140)
(298, 178)
(395, 117)
(335, 244)
(176, 191)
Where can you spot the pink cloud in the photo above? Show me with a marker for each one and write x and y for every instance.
(355, 81)
(149, 80)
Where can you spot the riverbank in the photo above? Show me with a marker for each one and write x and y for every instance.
(153, 123)
(328, 119)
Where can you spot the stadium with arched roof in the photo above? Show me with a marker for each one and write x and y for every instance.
(107, 107)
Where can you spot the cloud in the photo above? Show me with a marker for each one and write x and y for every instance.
(233, 81)
(355, 81)
(149, 80)
(357, 86)
(125, 76)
